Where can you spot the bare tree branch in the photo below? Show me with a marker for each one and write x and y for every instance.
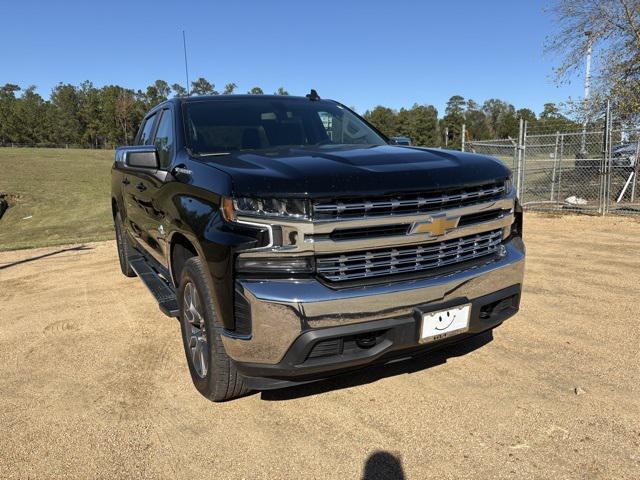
(612, 28)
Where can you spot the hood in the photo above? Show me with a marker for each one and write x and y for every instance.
(330, 171)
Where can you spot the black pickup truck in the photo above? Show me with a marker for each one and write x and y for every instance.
(294, 241)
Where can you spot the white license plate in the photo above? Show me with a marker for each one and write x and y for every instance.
(445, 323)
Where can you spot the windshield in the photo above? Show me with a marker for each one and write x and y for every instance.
(218, 126)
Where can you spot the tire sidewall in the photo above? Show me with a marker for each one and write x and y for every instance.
(119, 244)
(191, 273)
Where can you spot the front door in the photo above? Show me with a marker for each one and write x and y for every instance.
(150, 188)
(134, 193)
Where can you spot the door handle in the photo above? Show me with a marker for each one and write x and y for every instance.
(125, 181)
(140, 187)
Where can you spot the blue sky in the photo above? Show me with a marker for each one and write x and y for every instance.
(360, 52)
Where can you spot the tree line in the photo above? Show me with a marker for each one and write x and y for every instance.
(102, 117)
(495, 118)
(87, 116)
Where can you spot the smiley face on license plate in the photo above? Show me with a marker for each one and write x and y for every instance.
(445, 323)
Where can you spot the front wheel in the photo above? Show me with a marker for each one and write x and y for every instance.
(212, 371)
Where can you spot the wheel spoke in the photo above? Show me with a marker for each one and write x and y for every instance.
(195, 330)
(196, 299)
(200, 357)
(196, 358)
(196, 307)
(195, 315)
(187, 300)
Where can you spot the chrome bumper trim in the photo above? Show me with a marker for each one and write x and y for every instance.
(282, 309)
(331, 246)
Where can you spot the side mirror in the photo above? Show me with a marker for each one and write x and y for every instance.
(138, 156)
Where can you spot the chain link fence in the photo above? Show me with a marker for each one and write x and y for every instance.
(623, 169)
(590, 171)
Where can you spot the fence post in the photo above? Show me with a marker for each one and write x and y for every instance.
(524, 154)
(635, 173)
(555, 163)
(464, 135)
(559, 189)
(521, 147)
(602, 164)
(609, 161)
(604, 180)
(519, 156)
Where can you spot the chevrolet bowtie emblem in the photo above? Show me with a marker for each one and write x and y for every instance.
(435, 226)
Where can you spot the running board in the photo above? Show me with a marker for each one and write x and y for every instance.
(164, 293)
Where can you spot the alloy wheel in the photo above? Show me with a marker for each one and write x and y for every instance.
(195, 329)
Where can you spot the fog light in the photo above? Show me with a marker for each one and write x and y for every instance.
(304, 264)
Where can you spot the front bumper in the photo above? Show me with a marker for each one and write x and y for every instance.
(292, 316)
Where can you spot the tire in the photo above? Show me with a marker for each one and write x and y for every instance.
(125, 250)
(217, 379)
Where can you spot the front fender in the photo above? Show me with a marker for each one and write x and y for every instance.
(198, 219)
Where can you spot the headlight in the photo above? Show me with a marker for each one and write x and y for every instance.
(508, 186)
(266, 207)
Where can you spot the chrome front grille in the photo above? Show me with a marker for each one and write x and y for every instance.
(406, 204)
(392, 261)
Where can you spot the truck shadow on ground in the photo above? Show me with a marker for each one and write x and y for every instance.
(374, 373)
(45, 255)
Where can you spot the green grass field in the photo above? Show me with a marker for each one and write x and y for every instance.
(56, 196)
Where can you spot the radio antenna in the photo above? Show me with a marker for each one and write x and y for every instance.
(186, 65)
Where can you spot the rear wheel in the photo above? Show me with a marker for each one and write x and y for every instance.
(212, 371)
(125, 250)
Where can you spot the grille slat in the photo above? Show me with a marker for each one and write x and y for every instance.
(407, 204)
(370, 232)
(409, 259)
(401, 229)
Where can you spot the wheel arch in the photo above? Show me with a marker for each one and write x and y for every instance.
(222, 289)
(181, 248)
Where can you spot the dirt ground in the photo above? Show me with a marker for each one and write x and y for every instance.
(94, 383)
